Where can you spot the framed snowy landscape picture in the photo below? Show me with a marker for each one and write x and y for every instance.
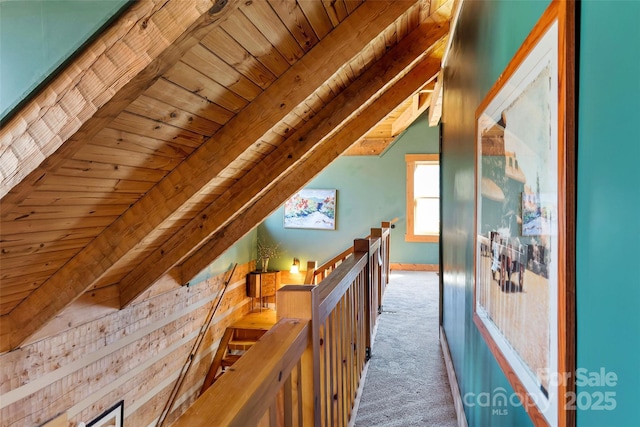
(311, 208)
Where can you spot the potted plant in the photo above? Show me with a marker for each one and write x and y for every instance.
(266, 251)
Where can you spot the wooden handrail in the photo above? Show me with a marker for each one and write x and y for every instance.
(243, 395)
(333, 261)
(325, 269)
(307, 369)
(335, 285)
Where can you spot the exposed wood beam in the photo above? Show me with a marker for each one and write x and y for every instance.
(184, 182)
(419, 104)
(368, 147)
(306, 169)
(144, 43)
(245, 191)
(435, 106)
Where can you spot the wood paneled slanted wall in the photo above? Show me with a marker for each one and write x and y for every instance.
(181, 128)
(133, 354)
(169, 138)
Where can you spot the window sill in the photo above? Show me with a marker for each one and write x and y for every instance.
(431, 238)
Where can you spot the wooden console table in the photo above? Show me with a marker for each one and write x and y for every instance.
(262, 285)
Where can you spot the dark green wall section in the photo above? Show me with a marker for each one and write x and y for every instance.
(608, 288)
(608, 183)
(37, 36)
(371, 189)
(487, 36)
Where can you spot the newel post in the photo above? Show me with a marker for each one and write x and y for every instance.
(364, 245)
(301, 302)
(310, 277)
(378, 268)
(386, 232)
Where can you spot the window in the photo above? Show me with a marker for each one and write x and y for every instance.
(423, 198)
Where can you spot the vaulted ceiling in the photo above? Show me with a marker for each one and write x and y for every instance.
(186, 124)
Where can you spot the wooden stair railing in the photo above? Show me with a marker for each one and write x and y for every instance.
(264, 386)
(234, 343)
(317, 274)
(325, 269)
(307, 369)
(194, 350)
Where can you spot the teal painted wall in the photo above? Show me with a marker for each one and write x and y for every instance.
(608, 221)
(608, 145)
(488, 35)
(243, 251)
(37, 36)
(371, 189)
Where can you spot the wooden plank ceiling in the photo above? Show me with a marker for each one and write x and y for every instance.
(185, 125)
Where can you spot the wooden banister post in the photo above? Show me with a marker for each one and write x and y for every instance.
(378, 269)
(301, 302)
(386, 232)
(364, 245)
(309, 278)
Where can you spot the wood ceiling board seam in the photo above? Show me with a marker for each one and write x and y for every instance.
(124, 157)
(382, 14)
(120, 187)
(144, 127)
(29, 174)
(19, 262)
(244, 32)
(262, 208)
(317, 17)
(164, 113)
(196, 170)
(251, 185)
(206, 62)
(88, 183)
(293, 18)
(176, 96)
(33, 213)
(141, 144)
(14, 294)
(96, 201)
(273, 29)
(84, 168)
(66, 197)
(223, 45)
(194, 81)
(30, 281)
(352, 5)
(58, 235)
(336, 11)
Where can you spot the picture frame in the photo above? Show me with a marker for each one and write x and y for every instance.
(525, 220)
(112, 417)
(311, 209)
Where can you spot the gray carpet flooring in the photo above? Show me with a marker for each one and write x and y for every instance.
(406, 382)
